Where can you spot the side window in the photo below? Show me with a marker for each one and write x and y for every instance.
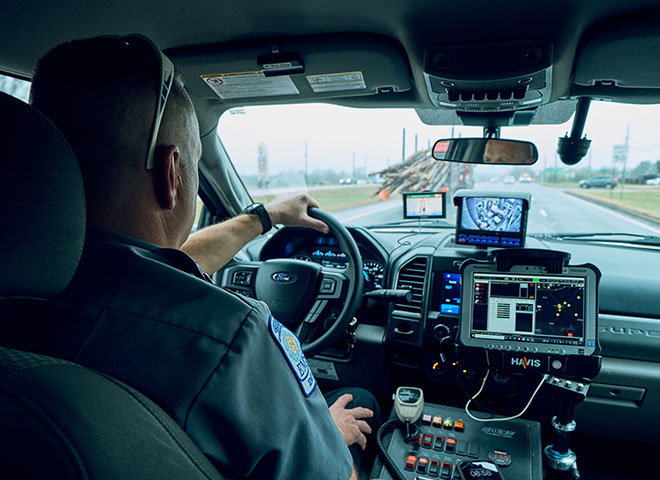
(15, 87)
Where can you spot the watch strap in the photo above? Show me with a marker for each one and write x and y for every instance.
(260, 211)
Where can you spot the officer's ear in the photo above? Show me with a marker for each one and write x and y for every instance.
(167, 162)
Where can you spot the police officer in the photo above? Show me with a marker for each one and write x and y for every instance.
(139, 308)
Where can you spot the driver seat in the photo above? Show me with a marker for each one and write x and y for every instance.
(58, 418)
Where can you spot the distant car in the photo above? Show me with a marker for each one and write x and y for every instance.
(653, 181)
(509, 179)
(346, 181)
(603, 181)
(525, 178)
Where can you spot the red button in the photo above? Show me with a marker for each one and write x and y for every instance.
(438, 442)
(445, 472)
(410, 462)
(422, 463)
(428, 440)
(450, 445)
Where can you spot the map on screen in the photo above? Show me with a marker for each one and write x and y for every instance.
(424, 205)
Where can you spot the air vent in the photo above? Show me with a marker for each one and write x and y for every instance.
(411, 277)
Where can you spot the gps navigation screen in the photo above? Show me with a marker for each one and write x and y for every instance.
(534, 308)
(424, 205)
(492, 214)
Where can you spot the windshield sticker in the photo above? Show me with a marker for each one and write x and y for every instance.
(336, 81)
(249, 84)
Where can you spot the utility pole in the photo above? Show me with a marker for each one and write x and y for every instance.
(306, 165)
(554, 175)
(365, 167)
(545, 163)
(623, 173)
(353, 164)
(403, 146)
(415, 143)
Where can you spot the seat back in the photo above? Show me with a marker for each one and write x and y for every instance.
(59, 419)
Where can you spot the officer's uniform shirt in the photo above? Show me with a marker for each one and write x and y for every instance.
(218, 363)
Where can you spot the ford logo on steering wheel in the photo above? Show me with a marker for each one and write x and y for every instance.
(284, 277)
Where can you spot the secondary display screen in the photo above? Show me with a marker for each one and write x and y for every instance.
(424, 205)
(533, 309)
(450, 294)
(492, 214)
(495, 220)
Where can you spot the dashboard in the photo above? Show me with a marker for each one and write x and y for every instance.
(399, 342)
(310, 246)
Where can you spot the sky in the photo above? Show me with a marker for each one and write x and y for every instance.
(334, 134)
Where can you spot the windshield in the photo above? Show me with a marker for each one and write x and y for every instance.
(358, 162)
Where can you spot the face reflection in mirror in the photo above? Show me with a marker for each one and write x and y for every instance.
(508, 152)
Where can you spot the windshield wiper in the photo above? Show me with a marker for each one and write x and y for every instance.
(426, 222)
(637, 238)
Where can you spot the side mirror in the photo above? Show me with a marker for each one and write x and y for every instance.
(489, 151)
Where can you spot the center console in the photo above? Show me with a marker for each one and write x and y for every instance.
(447, 436)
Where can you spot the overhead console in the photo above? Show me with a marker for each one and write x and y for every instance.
(490, 77)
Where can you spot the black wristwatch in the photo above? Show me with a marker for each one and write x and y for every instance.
(259, 210)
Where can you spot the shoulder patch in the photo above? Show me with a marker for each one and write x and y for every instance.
(290, 346)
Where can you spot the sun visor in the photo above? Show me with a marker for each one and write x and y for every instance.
(294, 69)
(554, 113)
(624, 54)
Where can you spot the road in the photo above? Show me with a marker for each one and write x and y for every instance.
(552, 211)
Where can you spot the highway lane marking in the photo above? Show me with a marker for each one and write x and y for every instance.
(622, 217)
(543, 212)
(370, 212)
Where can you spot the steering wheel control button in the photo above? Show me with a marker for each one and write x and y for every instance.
(503, 459)
(328, 285)
(242, 278)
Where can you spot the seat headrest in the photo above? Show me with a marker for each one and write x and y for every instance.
(42, 204)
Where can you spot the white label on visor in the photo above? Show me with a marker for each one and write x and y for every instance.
(249, 84)
(333, 82)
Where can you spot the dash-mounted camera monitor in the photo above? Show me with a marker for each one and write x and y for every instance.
(528, 309)
(424, 205)
(491, 219)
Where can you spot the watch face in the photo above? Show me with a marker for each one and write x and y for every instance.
(409, 395)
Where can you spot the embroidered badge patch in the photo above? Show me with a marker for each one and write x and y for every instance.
(290, 345)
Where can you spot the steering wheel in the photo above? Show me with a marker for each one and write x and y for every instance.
(302, 295)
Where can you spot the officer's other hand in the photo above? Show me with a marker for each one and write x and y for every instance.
(291, 210)
(348, 421)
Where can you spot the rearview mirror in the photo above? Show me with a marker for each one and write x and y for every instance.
(486, 151)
